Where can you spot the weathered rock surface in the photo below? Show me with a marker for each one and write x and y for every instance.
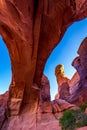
(38, 121)
(45, 99)
(80, 63)
(47, 115)
(25, 121)
(77, 65)
(83, 61)
(74, 90)
(3, 105)
(63, 83)
(60, 75)
(73, 83)
(60, 105)
(31, 30)
(82, 128)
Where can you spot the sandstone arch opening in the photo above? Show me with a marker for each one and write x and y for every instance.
(65, 53)
(31, 30)
(5, 68)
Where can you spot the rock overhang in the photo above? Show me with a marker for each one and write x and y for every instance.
(31, 36)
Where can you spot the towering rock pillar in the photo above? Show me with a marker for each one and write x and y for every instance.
(62, 80)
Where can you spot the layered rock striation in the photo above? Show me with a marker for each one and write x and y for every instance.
(31, 30)
(80, 64)
(62, 80)
(47, 114)
(74, 90)
(3, 108)
(73, 83)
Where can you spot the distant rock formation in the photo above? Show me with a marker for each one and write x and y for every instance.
(74, 90)
(80, 63)
(62, 80)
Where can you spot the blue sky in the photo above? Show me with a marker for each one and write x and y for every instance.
(64, 53)
(5, 67)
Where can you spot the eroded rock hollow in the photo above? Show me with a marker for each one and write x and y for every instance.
(31, 30)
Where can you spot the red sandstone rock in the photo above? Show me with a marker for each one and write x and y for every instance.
(79, 96)
(83, 58)
(30, 122)
(73, 83)
(64, 91)
(60, 75)
(50, 123)
(3, 106)
(82, 128)
(60, 105)
(57, 96)
(31, 30)
(3, 99)
(62, 80)
(77, 86)
(45, 102)
(77, 65)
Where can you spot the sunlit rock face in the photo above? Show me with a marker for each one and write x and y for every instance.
(63, 83)
(31, 30)
(60, 75)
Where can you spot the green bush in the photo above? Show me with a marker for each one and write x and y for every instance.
(81, 119)
(68, 120)
(73, 119)
(83, 107)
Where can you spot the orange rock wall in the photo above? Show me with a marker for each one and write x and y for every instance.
(31, 30)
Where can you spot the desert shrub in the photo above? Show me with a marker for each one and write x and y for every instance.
(73, 119)
(68, 120)
(81, 119)
(83, 107)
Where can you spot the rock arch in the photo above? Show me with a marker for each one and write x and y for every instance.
(31, 30)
